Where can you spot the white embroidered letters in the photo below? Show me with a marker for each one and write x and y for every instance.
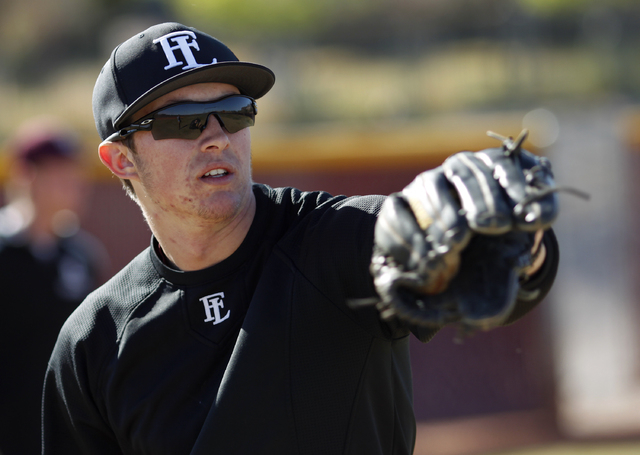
(182, 41)
(212, 305)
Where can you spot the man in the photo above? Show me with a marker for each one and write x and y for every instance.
(239, 331)
(47, 267)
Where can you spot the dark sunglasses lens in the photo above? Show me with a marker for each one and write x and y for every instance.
(235, 113)
(235, 122)
(174, 123)
(188, 120)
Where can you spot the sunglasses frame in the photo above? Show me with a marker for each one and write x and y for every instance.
(146, 122)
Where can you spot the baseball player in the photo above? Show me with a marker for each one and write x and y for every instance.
(271, 320)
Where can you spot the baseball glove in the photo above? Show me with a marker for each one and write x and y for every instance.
(453, 245)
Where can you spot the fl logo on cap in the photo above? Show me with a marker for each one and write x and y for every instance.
(182, 41)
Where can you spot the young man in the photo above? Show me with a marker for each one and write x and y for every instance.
(234, 333)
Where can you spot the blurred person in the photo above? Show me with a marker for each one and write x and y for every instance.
(47, 267)
(268, 320)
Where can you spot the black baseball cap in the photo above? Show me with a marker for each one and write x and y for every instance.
(161, 59)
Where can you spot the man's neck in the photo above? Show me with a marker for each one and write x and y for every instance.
(195, 246)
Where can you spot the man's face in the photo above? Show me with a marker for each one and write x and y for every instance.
(200, 180)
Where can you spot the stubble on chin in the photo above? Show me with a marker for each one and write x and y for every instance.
(224, 207)
(220, 211)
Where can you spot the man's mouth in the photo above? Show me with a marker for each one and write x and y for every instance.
(216, 173)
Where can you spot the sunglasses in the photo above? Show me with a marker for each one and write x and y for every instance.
(188, 120)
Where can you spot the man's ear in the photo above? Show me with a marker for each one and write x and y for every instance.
(118, 158)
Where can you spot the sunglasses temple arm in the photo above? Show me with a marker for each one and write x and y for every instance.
(123, 133)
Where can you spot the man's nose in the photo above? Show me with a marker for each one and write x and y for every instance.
(214, 133)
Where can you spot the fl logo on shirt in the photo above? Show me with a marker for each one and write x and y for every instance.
(213, 306)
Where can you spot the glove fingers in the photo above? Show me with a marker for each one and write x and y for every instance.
(398, 235)
(481, 196)
(523, 176)
(540, 212)
(435, 207)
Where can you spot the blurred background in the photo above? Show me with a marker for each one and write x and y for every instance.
(368, 94)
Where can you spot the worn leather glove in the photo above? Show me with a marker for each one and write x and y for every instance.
(454, 244)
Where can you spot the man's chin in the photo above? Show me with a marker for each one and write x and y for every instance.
(221, 206)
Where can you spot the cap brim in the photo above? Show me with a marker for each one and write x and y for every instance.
(250, 78)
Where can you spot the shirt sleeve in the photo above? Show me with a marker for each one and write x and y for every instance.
(71, 420)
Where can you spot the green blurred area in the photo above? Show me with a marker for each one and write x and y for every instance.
(361, 61)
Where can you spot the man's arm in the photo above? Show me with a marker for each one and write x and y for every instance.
(71, 422)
